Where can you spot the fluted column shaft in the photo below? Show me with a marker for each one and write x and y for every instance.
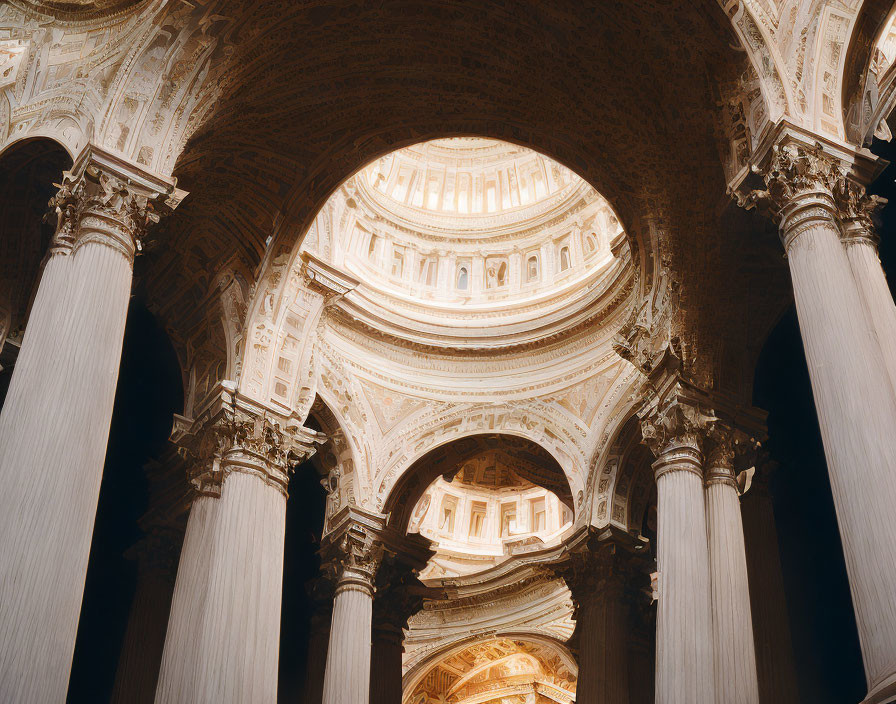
(861, 250)
(53, 433)
(318, 646)
(775, 665)
(857, 416)
(347, 680)
(385, 680)
(684, 653)
(223, 635)
(732, 621)
(603, 645)
(144, 640)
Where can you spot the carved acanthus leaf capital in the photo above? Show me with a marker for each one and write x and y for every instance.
(236, 436)
(793, 170)
(858, 211)
(679, 420)
(726, 446)
(399, 595)
(106, 200)
(354, 557)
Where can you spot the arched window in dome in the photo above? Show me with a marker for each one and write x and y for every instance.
(564, 258)
(591, 243)
(495, 272)
(397, 263)
(373, 247)
(463, 278)
(464, 187)
(449, 508)
(532, 268)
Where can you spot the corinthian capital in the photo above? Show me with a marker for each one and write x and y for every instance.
(726, 446)
(234, 435)
(857, 211)
(679, 419)
(105, 199)
(794, 171)
(353, 555)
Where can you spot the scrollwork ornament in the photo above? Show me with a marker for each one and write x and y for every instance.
(800, 182)
(355, 558)
(676, 421)
(858, 211)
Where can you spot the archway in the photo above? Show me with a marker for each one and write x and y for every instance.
(485, 670)
(528, 459)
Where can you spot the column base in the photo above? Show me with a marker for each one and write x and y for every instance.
(883, 693)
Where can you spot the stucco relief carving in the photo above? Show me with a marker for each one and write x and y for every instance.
(104, 201)
(234, 435)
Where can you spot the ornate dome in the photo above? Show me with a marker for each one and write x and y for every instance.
(472, 242)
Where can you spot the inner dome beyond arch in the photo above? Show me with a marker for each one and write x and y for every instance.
(471, 242)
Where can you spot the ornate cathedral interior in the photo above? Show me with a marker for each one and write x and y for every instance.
(435, 352)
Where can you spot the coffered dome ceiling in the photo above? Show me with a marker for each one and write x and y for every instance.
(473, 242)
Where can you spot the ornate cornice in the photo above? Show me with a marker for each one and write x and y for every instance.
(235, 435)
(106, 200)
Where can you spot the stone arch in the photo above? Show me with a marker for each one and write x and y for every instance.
(531, 461)
(339, 460)
(624, 485)
(542, 646)
(860, 100)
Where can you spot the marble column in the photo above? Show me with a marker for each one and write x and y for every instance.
(356, 554)
(55, 422)
(398, 596)
(385, 680)
(144, 640)
(734, 655)
(598, 583)
(223, 637)
(861, 241)
(775, 664)
(684, 652)
(318, 641)
(853, 394)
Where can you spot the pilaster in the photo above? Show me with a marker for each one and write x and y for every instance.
(602, 575)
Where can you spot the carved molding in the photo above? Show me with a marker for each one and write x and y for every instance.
(106, 200)
(236, 435)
